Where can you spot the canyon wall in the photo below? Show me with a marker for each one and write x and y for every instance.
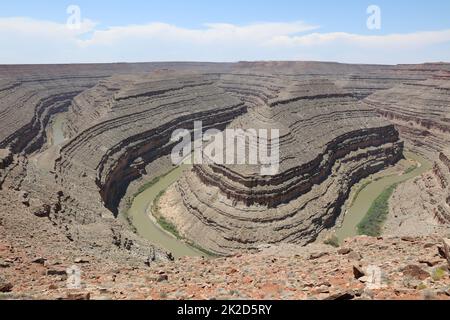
(328, 142)
(119, 119)
(421, 113)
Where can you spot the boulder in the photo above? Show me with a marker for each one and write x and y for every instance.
(81, 260)
(4, 264)
(446, 249)
(416, 272)
(343, 295)
(5, 285)
(56, 272)
(353, 255)
(408, 239)
(41, 211)
(162, 277)
(344, 251)
(358, 272)
(78, 296)
(24, 198)
(317, 255)
(39, 260)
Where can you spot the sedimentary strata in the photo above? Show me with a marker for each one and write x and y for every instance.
(420, 112)
(118, 120)
(227, 208)
(132, 121)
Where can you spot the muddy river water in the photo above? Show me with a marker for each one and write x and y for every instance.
(145, 226)
(364, 199)
(148, 228)
(57, 135)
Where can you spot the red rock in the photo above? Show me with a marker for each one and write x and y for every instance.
(344, 295)
(344, 251)
(78, 296)
(317, 255)
(231, 271)
(415, 272)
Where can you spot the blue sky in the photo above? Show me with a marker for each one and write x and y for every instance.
(411, 31)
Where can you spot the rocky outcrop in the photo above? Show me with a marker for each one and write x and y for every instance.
(328, 142)
(6, 158)
(28, 105)
(131, 123)
(420, 111)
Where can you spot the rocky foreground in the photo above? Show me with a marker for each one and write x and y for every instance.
(363, 268)
(35, 257)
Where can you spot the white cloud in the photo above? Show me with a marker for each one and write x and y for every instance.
(211, 33)
(27, 40)
(22, 26)
(408, 40)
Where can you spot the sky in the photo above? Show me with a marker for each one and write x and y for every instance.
(100, 31)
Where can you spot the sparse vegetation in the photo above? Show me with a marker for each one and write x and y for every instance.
(163, 295)
(125, 214)
(163, 222)
(149, 184)
(172, 229)
(410, 169)
(234, 293)
(421, 286)
(168, 226)
(129, 200)
(332, 241)
(438, 274)
(372, 223)
(129, 221)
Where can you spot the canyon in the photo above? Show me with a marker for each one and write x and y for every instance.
(79, 143)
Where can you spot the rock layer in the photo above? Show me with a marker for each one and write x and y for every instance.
(131, 125)
(118, 123)
(420, 112)
(328, 141)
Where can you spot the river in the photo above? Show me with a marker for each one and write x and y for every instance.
(148, 228)
(138, 213)
(57, 135)
(364, 199)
